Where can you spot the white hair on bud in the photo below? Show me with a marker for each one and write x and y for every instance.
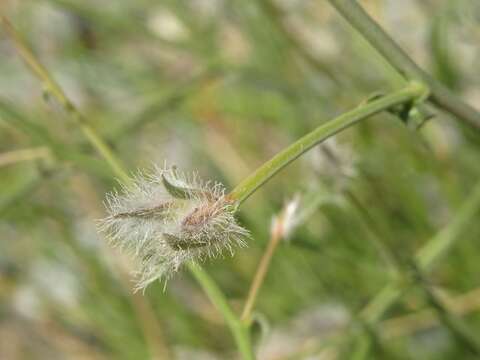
(165, 218)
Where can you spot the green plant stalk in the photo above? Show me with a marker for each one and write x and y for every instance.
(440, 95)
(426, 256)
(412, 92)
(238, 329)
(240, 333)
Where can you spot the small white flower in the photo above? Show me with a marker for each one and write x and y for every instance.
(166, 218)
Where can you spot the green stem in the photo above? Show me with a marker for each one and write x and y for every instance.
(239, 330)
(413, 91)
(385, 45)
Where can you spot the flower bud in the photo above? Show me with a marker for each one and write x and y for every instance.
(166, 218)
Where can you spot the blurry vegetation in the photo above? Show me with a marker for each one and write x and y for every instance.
(220, 87)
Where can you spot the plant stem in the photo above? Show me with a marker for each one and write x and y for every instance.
(239, 330)
(385, 45)
(410, 93)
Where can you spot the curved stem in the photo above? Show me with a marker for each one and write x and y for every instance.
(385, 45)
(239, 330)
(247, 187)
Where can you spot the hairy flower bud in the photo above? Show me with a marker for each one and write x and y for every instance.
(166, 218)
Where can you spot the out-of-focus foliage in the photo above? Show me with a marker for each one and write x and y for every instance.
(219, 87)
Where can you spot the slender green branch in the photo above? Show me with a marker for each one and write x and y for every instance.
(238, 329)
(412, 92)
(385, 45)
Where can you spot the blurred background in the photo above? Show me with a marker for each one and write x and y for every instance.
(219, 87)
